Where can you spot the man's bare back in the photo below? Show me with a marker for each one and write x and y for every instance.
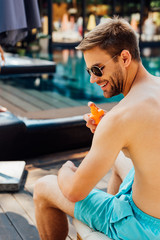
(141, 110)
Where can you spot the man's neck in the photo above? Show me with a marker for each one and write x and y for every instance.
(131, 76)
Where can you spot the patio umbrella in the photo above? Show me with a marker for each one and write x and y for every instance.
(17, 17)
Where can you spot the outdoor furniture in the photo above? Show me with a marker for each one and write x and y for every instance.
(16, 65)
(86, 233)
(22, 138)
(11, 174)
(11, 134)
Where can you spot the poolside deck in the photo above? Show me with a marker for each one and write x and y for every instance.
(32, 103)
(17, 220)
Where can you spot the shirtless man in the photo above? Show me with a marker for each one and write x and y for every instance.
(132, 211)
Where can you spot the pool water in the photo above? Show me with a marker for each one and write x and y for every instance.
(152, 64)
(71, 78)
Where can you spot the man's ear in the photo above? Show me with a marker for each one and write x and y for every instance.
(126, 57)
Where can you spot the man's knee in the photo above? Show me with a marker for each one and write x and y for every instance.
(47, 194)
(115, 170)
(122, 166)
(42, 189)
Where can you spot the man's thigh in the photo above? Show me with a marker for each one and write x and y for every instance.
(123, 165)
(95, 210)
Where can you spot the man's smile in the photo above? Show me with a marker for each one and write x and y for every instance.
(103, 85)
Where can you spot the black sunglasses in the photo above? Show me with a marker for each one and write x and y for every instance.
(97, 71)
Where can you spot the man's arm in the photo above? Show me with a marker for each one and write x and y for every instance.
(108, 140)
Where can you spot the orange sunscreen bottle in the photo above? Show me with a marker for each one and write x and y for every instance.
(96, 113)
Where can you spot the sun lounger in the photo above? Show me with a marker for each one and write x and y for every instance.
(16, 65)
(86, 233)
(22, 138)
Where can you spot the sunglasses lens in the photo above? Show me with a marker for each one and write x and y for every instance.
(96, 71)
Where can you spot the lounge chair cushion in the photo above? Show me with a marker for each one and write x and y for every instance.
(87, 233)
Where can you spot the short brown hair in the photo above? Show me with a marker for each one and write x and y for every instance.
(113, 36)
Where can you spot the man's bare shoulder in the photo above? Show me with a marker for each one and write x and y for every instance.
(115, 121)
(129, 113)
(120, 113)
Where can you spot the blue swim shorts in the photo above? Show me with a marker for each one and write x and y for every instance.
(117, 216)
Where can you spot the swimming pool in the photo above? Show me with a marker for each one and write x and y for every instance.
(72, 80)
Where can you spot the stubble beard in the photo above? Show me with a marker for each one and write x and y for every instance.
(116, 83)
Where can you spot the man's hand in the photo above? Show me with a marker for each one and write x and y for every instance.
(65, 179)
(90, 123)
(70, 165)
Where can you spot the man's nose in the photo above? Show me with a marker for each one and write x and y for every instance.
(93, 78)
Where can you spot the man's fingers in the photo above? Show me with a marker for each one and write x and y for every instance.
(91, 104)
(68, 163)
(93, 130)
(86, 116)
(89, 121)
(71, 165)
